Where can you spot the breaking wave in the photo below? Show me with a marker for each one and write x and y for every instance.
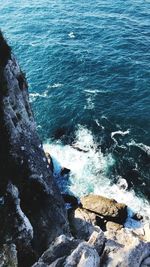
(90, 171)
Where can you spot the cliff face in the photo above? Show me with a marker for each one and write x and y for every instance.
(32, 211)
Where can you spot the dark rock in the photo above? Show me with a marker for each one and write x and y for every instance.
(137, 217)
(24, 171)
(79, 149)
(70, 199)
(60, 132)
(5, 51)
(64, 171)
(108, 208)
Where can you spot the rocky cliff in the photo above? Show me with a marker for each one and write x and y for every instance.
(32, 211)
(34, 227)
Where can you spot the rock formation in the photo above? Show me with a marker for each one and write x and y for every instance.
(32, 210)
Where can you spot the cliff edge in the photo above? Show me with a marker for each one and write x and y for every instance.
(32, 210)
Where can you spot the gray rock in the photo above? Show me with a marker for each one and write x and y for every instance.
(58, 251)
(82, 223)
(97, 240)
(124, 248)
(83, 256)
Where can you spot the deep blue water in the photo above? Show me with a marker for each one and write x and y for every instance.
(88, 65)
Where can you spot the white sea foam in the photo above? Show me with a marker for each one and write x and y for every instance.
(119, 133)
(142, 146)
(34, 96)
(91, 91)
(55, 85)
(89, 171)
(96, 91)
(71, 35)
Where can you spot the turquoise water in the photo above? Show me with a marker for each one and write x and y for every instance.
(88, 68)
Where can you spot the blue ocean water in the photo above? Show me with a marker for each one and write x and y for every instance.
(88, 68)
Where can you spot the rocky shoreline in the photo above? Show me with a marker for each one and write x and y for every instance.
(35, 227)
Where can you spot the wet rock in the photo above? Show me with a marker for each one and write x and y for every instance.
(109, 208)
(64, 171)
(137, 217)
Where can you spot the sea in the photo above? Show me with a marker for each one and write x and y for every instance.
(88, 68)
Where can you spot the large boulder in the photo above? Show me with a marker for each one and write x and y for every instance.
(108, 208)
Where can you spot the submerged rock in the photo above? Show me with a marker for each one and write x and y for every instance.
(108, 208)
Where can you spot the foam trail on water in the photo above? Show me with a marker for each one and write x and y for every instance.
(89, 171)
(34, 96)
(142, 146)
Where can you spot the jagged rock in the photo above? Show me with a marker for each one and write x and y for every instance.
(84, 255)
(24, 164)
(97, 240)
(113, 226)
(17, 227)
(124, 248)
(8, 256)
(82, 223)
(109, 208)
(58, 250)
